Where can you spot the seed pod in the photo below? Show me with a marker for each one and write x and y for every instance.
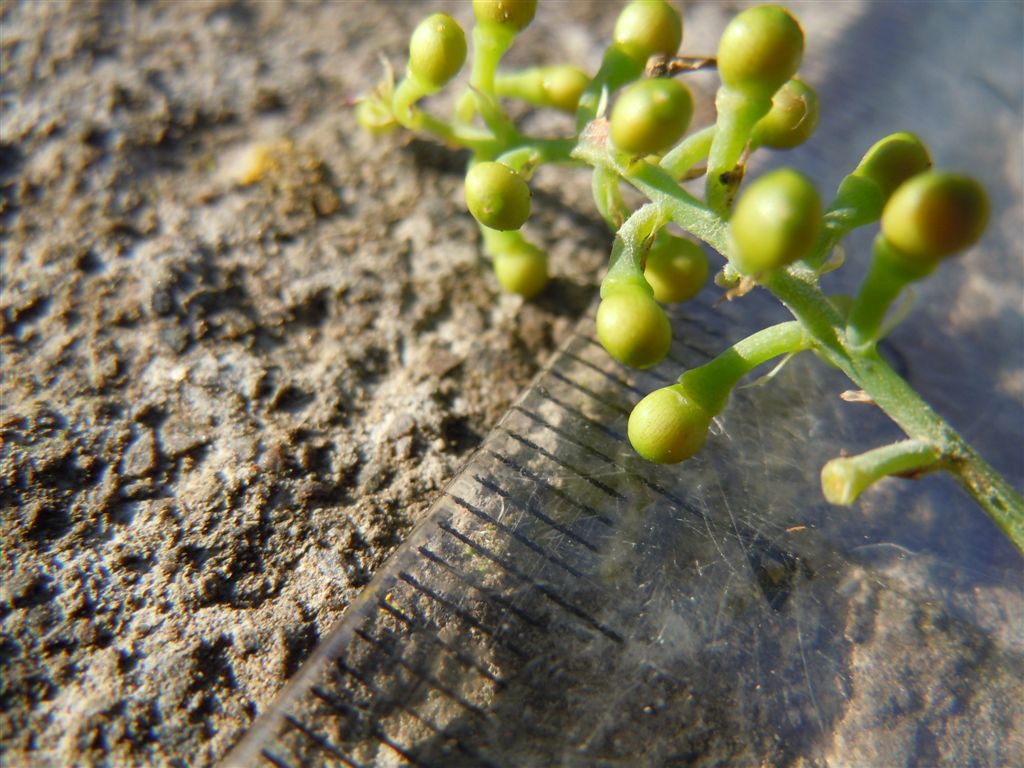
(497, 196)
(934, 215)
(647, 28)
(650, 116)
(760, 49)
(632, 328)
(776, 221)
(667, 426)
(792, 118)
(894, 160)
(437, 50)
(522, 270)
(516, 14)
(676, 268)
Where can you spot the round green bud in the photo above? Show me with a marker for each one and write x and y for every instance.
(792, 118)
(934, 215)
(522, 270)
(437, 50)
(514, 13)
(562, 86)
(497, 196)
(760, 49)
(647, 28)
(651, 115)
(893, 160)
(632, 328)
(676, 268)
(776, 221)
(668, 427)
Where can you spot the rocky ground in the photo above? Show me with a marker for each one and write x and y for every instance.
(223, 406)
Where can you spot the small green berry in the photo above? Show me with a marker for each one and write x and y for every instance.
(676, 268)
(776, 221)
(497, 196)
(514, 13)
(934, 215)
(792, 118)
(647, 28)
(760, 49)
(562, 86)
(437, 50)
(651, 115)
(667, 426)
(522, 270)
(893, 160)
(632, 328)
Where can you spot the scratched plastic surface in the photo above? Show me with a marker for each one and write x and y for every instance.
(568, 604)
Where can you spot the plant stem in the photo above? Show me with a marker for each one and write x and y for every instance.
(403, 106)
(843, 479)
(525, 158)
(709, 385)
(688, 152)
(738, 113)
(616, 70)
(897, 398)
(625, 266)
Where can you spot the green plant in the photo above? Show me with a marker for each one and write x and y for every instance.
(775, 236)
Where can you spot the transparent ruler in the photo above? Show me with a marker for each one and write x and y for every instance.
(566, 603)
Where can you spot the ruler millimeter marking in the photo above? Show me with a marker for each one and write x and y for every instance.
(514, 557)
(553, 607)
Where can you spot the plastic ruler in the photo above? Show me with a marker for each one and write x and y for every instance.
(566, 603)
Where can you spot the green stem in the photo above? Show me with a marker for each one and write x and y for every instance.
(625, 267)
(843, 479)
(490, 42)
(688, 152)
(403, 105)
(616, 70)
(897, 398)
(661, 189)
(885, 279)
(709, 385)
(604, 185)
(738, 113)
(527, 157)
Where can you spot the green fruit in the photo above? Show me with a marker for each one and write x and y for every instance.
(760, 49)
(650, 116)
(647, 28)
(776, 221)
(934, 215)
(514, 13)
(893, 160)
(632, 328)
(522, 270)
(437, 50)
(792, 118)
(562, 87)
(497, 196)
(676, 268)
(667, 427)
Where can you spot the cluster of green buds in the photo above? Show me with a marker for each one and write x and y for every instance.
(632, 127)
